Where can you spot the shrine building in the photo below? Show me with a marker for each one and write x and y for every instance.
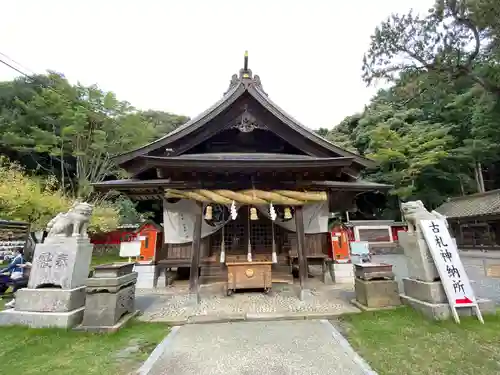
(245, 188)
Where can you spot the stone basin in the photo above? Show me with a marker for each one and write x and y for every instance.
(110, 270)
(370, 271)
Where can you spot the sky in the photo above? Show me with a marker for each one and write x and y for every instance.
(178, 56)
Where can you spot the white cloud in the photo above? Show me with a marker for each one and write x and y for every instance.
(179, 56)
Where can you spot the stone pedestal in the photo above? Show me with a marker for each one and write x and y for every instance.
(50, 300)
(110, 300)
(377, 293)
(55, 296)
(327, 272)
(430, 299)
(419, 260)
(343, 273)
(375, 286)
(61, 262)
(146, 275)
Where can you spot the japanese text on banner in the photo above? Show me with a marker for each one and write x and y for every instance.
(447, 261)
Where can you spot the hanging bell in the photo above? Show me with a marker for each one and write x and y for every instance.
(288, 213)
(208, 213)
(253, 214)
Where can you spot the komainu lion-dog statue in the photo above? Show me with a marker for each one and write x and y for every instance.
(415, 210)
(73, 223)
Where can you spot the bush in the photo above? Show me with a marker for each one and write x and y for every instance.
(36, 200)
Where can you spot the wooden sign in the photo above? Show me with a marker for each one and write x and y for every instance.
(455, 281)
(130, 249)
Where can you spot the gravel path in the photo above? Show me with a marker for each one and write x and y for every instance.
(327, 299)
(263, 348)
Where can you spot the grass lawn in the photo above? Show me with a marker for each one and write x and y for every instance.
(107, 258)
(60, 352)
(400, 342)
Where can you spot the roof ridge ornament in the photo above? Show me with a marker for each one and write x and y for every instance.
(248, 123)
(245, 77)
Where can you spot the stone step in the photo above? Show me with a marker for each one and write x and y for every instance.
(213, 271)
(212, 279)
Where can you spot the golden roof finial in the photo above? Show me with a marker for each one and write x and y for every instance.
(245, 65)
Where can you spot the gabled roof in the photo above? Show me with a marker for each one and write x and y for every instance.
(245, 83)
(479, 204)
(235, 162)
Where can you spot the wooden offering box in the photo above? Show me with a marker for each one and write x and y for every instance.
(249, 275)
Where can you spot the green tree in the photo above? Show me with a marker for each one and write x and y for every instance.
(80, 127)
(456, 39)
(163, 122)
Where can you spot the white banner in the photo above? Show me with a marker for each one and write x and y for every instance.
(179, 218)
(178, 221)
(444, 252)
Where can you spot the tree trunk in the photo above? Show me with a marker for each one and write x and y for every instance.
(478, 174)
(63, 188)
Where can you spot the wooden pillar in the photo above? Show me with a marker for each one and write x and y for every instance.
(195, 252)
(301, 252)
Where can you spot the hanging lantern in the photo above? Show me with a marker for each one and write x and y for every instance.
(288, 213)
(253, 214)
(272, 212)
(208, 213)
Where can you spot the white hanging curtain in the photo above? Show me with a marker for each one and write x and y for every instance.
(179, 218)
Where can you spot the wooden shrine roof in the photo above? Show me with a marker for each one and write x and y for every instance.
(244, 84)
(239, 161)
(474, 205)
(154, 189)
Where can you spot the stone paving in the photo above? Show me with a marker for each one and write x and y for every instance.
(264, 348)
(172, 304)
(484, 286)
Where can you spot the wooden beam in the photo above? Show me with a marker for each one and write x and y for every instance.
(301, 239)
(195, 253)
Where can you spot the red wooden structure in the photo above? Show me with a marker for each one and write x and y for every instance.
(150, 233)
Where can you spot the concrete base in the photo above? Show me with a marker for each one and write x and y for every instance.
(50, 300)
(193, 299)
(327, 273)
(106, 309)
(427, 291)
(377, 293)
(108, 329)
(146, 276)
(366, 308)
(305, 295)
(442, 311)
(41, 319)
(343, 273)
